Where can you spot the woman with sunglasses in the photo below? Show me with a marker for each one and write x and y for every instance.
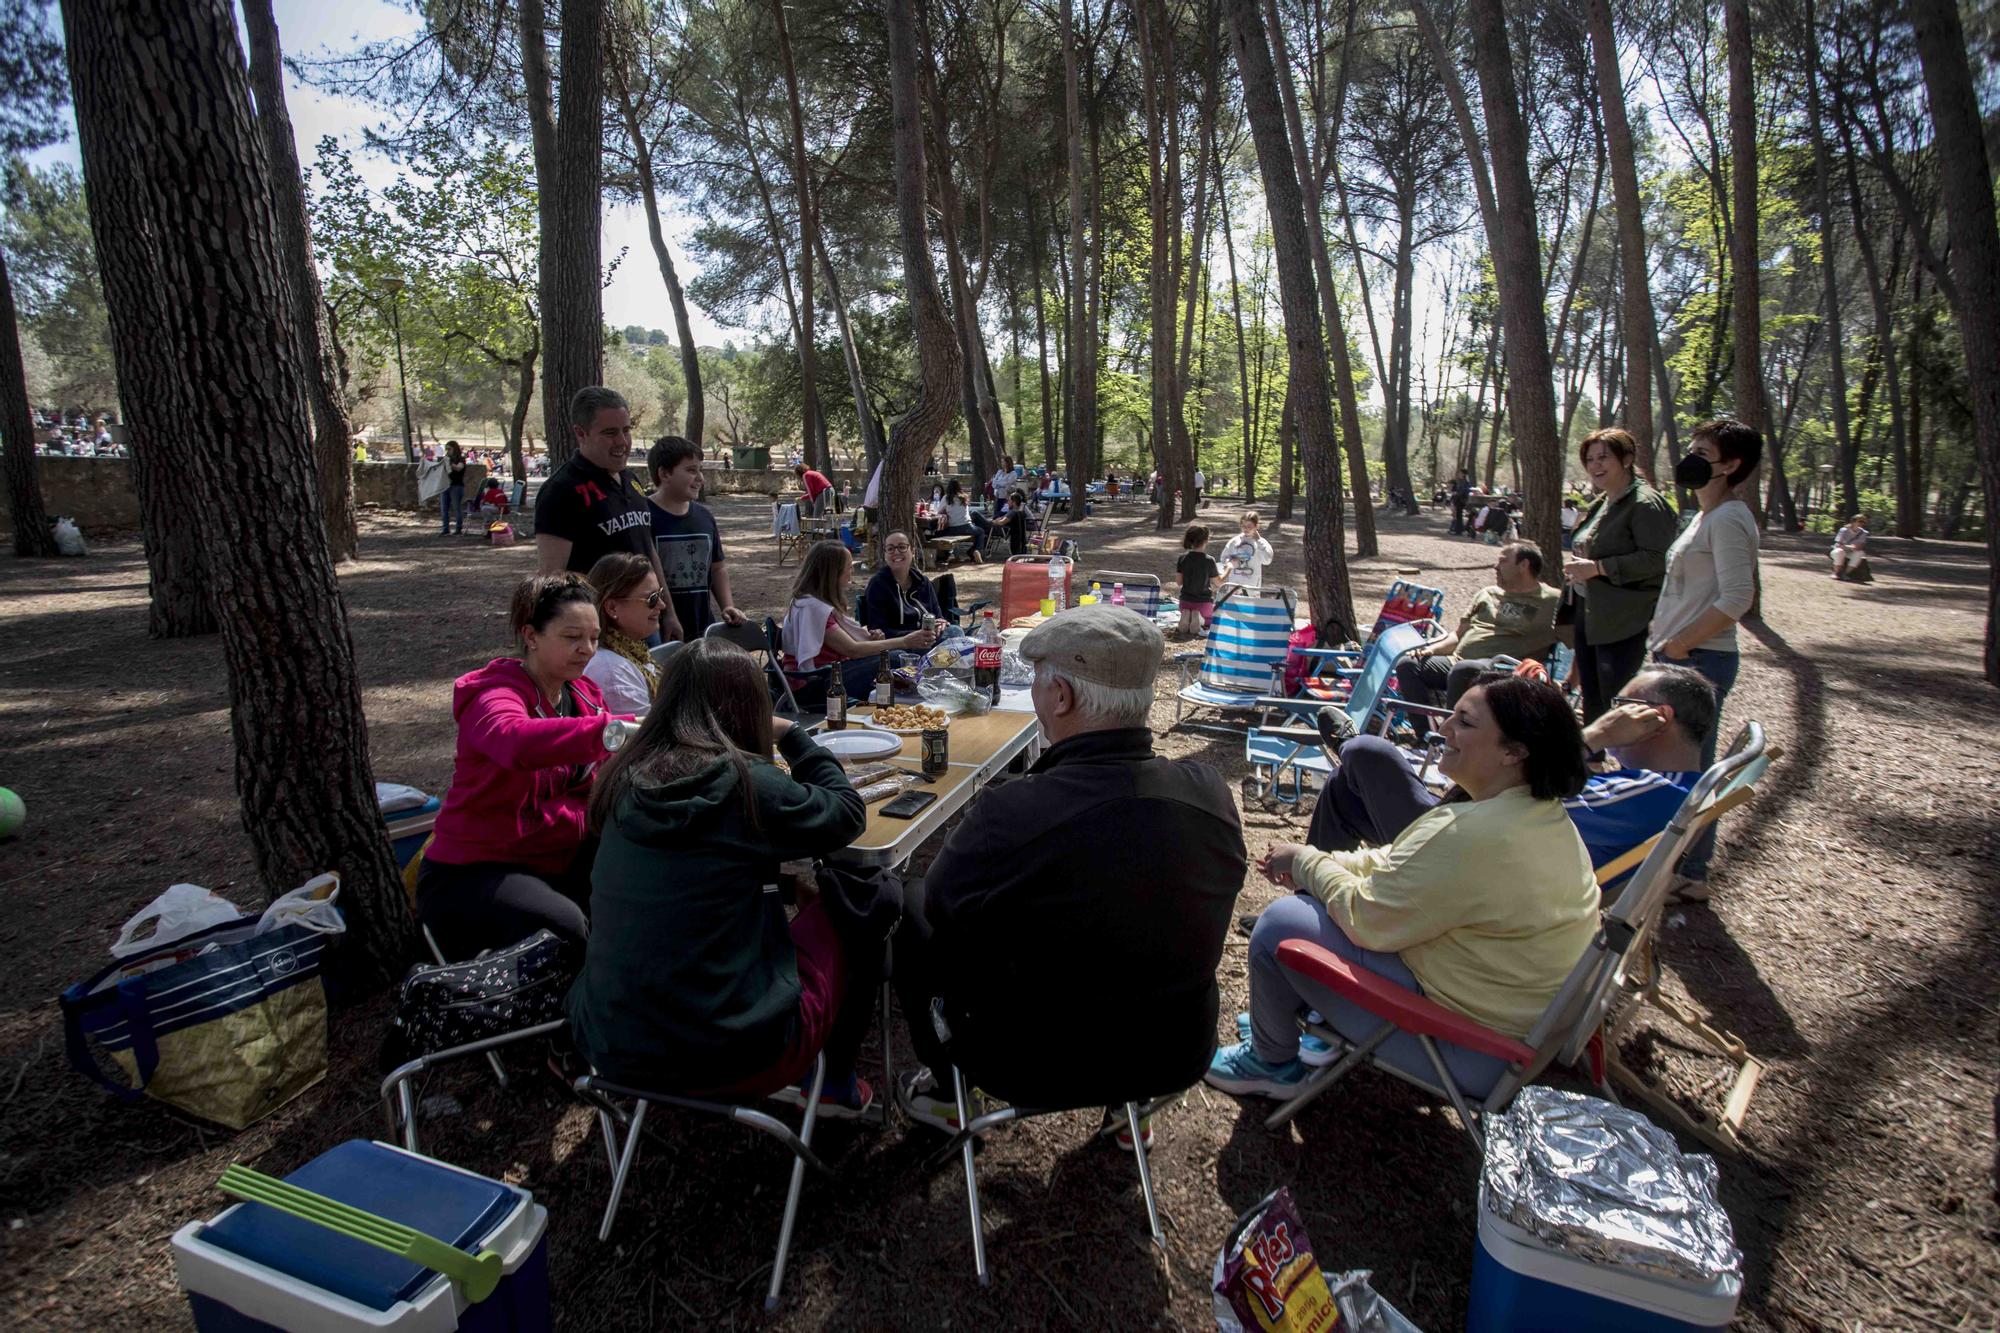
(629, 598)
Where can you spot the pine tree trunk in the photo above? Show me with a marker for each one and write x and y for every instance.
(919, 429)
(32, 534)
(810, 424)
(332, 434)
(871, 439)
(161, 86)
(1746, 312)
(569, 175)
(1517, 269)
(642, 157)
(1843, 432)
(160, 419)
(1082, 353)
(1966, 181)
(1637, 324)
(1345, 396)
(1312, 412)
(1041, 343)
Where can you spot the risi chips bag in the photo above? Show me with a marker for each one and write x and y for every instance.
(1269, 1274)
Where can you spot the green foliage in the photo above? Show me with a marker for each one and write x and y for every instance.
(34, 81)
(458, 230)
(53, 261)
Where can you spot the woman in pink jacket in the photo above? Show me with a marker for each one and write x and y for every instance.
(509, 855)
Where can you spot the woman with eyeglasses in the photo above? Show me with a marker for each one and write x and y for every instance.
(628, 600)
(510, 854)
(898, 596)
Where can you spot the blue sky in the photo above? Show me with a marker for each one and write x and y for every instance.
(311, 27)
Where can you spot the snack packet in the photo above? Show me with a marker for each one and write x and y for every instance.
(1269, 1275)
(887, 787)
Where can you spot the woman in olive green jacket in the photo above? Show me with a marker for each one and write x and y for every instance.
(1616, 566)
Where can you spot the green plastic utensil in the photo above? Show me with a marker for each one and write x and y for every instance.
(477, 1275)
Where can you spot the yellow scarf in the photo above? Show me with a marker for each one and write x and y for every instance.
(635, 652)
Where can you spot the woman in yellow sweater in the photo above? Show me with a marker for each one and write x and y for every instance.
(1484, 904)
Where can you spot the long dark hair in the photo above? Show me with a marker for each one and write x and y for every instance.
(713, 704)
(1536, 716)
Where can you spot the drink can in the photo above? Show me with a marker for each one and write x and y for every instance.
(937, 751)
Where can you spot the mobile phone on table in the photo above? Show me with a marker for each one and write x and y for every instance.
(908, 804)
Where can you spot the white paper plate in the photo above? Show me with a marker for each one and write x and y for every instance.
(867, 743)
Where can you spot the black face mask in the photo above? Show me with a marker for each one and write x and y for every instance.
(1693, 472)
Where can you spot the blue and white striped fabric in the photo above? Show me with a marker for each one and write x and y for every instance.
(1251, 633)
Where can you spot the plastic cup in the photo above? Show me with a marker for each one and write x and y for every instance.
(1047, 606)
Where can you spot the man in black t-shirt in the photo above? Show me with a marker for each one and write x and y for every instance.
(690, 544)
(594, 505)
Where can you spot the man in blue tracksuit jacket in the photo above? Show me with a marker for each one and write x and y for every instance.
(1654, 731)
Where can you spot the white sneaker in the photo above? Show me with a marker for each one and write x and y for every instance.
(917, 1092)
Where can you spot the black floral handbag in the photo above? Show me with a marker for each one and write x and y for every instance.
(501, 991)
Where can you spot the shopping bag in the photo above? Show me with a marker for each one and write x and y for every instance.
(227, 1024)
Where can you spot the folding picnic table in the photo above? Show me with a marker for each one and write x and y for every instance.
(981, 747)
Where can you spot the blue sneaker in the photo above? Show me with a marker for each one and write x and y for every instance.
(1237, 1069)
(1314, 1052)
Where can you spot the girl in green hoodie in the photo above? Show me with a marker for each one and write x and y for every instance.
(693, 980)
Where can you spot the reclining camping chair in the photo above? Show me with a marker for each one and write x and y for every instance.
(1136, 1109)
(618, 1105)
(1370, 701)
(1249, 636)
(1406, 604)
(1636, 985)
(1572, 1025)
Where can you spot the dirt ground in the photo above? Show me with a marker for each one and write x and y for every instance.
(1850, 943)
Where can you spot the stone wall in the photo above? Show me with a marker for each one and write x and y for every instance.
(770, 481)
(394, 485)
(98, 494)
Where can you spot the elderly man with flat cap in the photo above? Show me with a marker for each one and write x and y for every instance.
(1073, 920)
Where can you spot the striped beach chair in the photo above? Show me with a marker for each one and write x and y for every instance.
(1249, 636)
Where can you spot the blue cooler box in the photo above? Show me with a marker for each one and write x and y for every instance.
(1519, 1285)
(255, 1268)
(409, 828)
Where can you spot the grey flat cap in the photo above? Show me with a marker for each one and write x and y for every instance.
(1113, 646)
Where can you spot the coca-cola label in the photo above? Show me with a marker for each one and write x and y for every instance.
(986, 657)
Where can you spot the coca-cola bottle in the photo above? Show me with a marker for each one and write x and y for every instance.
(986, 657)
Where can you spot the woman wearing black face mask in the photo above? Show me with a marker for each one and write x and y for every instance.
(1711, 581)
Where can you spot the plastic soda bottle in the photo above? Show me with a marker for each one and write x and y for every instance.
(986, 657)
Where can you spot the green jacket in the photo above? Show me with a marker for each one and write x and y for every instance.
(689, 980)
(1630, 539)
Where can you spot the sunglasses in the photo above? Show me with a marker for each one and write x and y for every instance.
(1620, 699)
(651, 599)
